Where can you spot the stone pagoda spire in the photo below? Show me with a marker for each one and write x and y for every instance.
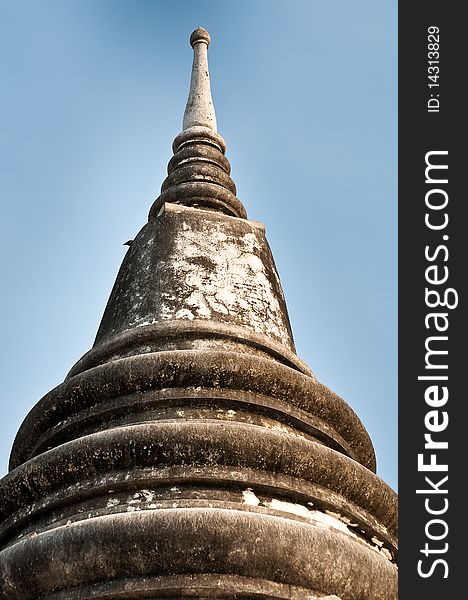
(191, 453)
(200, 111)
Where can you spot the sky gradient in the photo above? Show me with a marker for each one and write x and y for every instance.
(306, 99)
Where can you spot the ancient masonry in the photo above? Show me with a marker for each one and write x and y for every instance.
(190, 453)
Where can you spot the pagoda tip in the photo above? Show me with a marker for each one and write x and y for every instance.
(200, 35)
(199, 111)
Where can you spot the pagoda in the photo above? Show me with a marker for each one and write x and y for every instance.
(191, 453)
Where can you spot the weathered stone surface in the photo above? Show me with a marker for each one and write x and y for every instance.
(202, 540)
(198, 265)
(191, 453)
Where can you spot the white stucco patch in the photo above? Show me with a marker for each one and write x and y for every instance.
(219, 273)
(248, 497)
(319, 518)
(290, 507)
(184, 313)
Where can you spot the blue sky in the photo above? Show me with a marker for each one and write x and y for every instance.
(93, 93)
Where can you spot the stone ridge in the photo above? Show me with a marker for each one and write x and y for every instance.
(199, 175)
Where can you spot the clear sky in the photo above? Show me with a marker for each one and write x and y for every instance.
(93, 93)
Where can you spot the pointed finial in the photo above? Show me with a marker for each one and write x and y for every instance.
(200, 110)
(198, 175)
